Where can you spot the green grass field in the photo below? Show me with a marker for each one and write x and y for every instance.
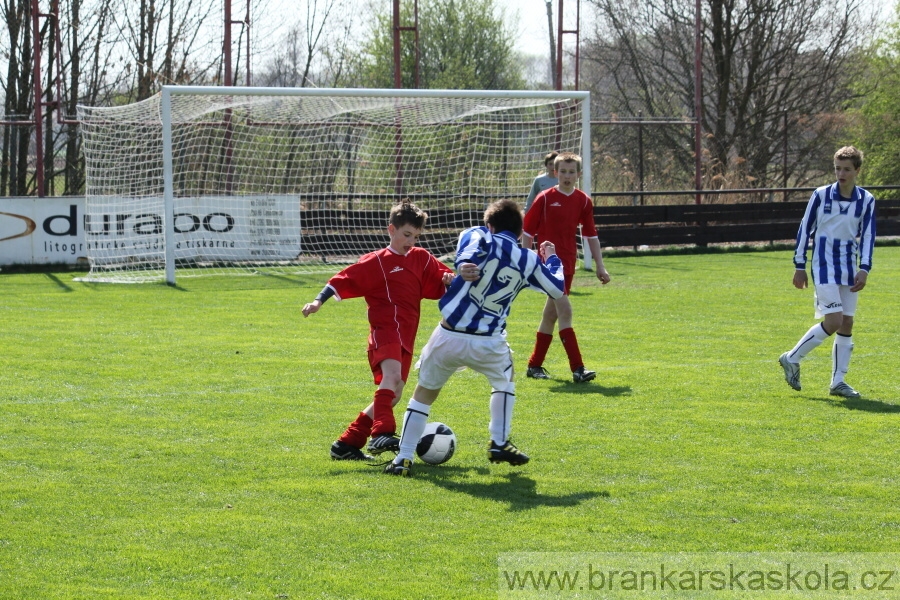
(161, 442)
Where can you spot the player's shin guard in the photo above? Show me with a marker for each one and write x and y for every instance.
(841, 352)
(358, 431)
(570, 343)
(383, 421)
(502, 402)
(541, 346)
(811, 340)
(413, 425)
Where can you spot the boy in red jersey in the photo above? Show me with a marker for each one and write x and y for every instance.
(393, 281)
(555, 217)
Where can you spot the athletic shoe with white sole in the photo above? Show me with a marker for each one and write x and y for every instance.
(401, 469)
(844, 390)
(506, 453)
(344, 451)
(537, 373)
(384, 443)
(582, 375)
(791, 371)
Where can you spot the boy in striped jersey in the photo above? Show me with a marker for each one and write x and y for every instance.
(472, 331)
(840, 218)
(393, 281)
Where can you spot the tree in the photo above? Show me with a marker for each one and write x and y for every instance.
(18, 98)
(775, 76)
(876, 122)
(169, 43)
(318, 49)
(463, 44)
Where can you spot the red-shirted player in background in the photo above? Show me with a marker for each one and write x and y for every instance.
(555, 216)
(393, 281)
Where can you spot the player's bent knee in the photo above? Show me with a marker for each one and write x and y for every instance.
(508, 388)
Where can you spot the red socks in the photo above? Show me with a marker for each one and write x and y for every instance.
(541, 345)
(570, 343)
(358, 431)
(364, 426)
(384, 422)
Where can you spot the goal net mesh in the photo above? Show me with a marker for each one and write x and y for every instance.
(294, 183)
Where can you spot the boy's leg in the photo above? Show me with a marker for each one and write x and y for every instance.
(570, 342)
(383, 422)
(827, 300)
(503, 400)
(435, 368)
(500, 449)
(841, 352)
(414, 420)
(810, 340)
(390, 364)
(349, 445)
(543, 340)
(358, 431)
(493, 359)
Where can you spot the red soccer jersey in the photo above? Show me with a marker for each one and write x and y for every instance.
(555, 217)
(393, 286)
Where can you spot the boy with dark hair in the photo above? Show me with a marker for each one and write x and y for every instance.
(472, 331)
(840, 218)
(555, 216)
(393, 282)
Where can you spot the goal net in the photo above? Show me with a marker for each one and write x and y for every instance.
(201, 180)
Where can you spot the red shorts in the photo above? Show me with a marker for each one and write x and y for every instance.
(393, 351)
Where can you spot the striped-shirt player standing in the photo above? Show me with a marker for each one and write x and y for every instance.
(840, 219)
(472, 331)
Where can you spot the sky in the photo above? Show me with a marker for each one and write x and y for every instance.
(529, 16)
(532, 23)
(531, 28)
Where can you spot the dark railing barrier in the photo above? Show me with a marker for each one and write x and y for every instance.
(703, 224)
(355, 232)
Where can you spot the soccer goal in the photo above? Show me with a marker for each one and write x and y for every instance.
(204, 180)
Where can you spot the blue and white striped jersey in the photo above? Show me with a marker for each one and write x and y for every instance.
(481, 306)
(843, 235)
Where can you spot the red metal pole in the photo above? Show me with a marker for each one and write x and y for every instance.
(38, 94)
(398, 83)
(577, 41)
(227, 44)
(698, 101)
(559, 36)
(247, 24)
(416, 34)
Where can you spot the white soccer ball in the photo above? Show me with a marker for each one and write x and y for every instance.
(437, 444)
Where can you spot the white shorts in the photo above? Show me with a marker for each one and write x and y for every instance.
(831, 298)
(449, 351)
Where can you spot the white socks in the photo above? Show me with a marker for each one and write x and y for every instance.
(416, 417)
(502, 402)
(840, 357)
(811, 340)
(413, 425)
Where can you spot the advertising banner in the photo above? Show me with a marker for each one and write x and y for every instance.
(41, 230)
(228, 228)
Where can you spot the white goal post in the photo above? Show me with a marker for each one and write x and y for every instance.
(202, 180)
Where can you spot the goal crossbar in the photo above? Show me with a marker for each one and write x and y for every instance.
(300, 178)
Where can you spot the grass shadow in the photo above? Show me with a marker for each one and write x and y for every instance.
(570, 387)
(518, 490)
(64, 286)
(863, 404)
